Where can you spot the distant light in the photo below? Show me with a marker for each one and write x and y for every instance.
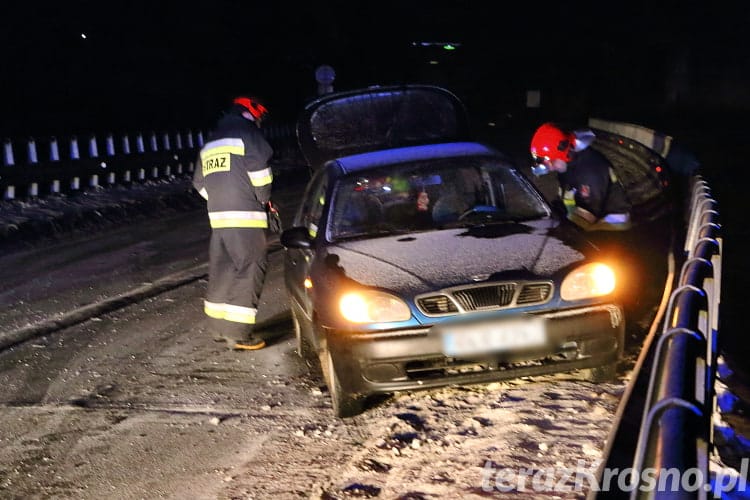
(658, 168)
(83, 35)
(433, 62)
(444, 44)
(490, 124)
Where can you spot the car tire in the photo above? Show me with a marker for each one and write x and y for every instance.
(344, 404)
(601, 374)
(304, 350)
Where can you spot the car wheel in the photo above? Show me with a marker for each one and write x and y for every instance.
(601, 374)
(304, 350)
(344, 404)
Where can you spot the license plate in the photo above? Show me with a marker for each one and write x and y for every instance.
(490, 337)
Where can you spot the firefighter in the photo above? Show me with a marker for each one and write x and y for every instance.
(234, 177)
(589, 188)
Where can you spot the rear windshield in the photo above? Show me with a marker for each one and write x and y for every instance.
(431, 195)
(373, 119)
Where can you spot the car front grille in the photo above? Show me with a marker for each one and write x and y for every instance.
(534, 293)
(484, 298)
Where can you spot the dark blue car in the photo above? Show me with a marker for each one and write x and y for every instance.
(420, 259)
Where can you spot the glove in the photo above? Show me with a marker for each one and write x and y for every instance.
(274, 219)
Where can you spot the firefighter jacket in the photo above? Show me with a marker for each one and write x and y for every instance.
(233, 175)
(590, 183)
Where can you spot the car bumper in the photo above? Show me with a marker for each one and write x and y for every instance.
(383, 362)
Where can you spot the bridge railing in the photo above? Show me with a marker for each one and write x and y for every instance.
(670, 399)
(38, 168)
(676, 428)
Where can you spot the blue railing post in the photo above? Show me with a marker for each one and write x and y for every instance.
(93, 147)
(32, 156)
(54, 150)
(75, 154)
(110, 145)
(8, 153)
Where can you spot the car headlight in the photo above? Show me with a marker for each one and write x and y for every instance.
(590, 280)
(371, 306)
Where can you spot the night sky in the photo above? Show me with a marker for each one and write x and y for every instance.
(146, 65)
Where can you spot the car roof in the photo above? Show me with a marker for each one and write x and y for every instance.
(374, 159)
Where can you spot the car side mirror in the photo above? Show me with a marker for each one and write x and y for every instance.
(296, 237)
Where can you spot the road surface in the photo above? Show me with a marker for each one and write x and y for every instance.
(135, 400)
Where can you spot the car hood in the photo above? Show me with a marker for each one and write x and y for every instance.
(432, 260)
(357, 121)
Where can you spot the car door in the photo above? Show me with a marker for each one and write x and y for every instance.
(297, 260)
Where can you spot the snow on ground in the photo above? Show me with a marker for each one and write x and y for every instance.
(730, 462)
(34, 220)
(524, 436)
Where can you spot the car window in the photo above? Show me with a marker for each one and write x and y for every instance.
(431, 195)
(312, 204)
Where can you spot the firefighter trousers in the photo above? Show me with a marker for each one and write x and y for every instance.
(238, 261)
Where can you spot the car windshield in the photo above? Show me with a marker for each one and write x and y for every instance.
(431, 195)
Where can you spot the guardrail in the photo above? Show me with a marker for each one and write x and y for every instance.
(676, 431)
(75, 166)
(52, 166)
(670, 400)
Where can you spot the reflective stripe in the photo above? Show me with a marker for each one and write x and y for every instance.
(224, 224)
(216, 156)
(569, 199)
(213, 310)
(221, 146)
(240, 314)
(612, 175)
(238, 218)
(260, 178)
(312, 230)
(203, 193)
(229, 312)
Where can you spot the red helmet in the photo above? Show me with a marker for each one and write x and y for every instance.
(253, 106)
(550, 142)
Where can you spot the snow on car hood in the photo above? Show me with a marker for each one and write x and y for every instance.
(437, 259)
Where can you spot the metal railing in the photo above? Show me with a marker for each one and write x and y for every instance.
(74, 165)
(676, 429)
(52, 166)
(670, 399)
